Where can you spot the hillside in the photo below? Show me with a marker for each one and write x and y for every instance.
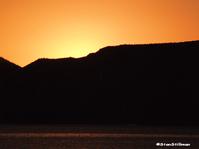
(6, 66)
(8, 72)
(147, 84)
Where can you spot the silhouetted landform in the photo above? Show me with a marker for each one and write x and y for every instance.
(126, 84)
(8, 72)
(7, 67)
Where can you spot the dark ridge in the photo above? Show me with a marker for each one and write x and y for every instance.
(169, 44)
(5, 63)
(110, 48)
(43, 61)
(7, 69)
(152, 84)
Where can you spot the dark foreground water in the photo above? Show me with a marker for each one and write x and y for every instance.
(97, 138)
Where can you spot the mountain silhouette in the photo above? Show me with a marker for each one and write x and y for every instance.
(8, 71)
(8, 67)
(143, 84)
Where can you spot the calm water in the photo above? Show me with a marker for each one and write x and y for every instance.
(100, 138)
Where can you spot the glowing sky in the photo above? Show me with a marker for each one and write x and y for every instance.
(32, 29)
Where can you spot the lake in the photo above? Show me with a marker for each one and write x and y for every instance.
(97, 137)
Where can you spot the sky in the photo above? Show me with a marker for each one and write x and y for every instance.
(32, 29)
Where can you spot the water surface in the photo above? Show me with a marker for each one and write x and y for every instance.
(56, 137)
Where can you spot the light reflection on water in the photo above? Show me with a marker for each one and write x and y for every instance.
(90, 140)
(94, 135)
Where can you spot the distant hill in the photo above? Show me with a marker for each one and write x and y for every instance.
(7, 71)
(6, 66)
(144, 84)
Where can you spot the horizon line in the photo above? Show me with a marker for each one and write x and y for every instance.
(116, 45)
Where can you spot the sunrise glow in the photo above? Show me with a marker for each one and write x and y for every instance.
(32, 29)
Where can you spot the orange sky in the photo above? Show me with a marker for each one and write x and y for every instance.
(31, 29)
